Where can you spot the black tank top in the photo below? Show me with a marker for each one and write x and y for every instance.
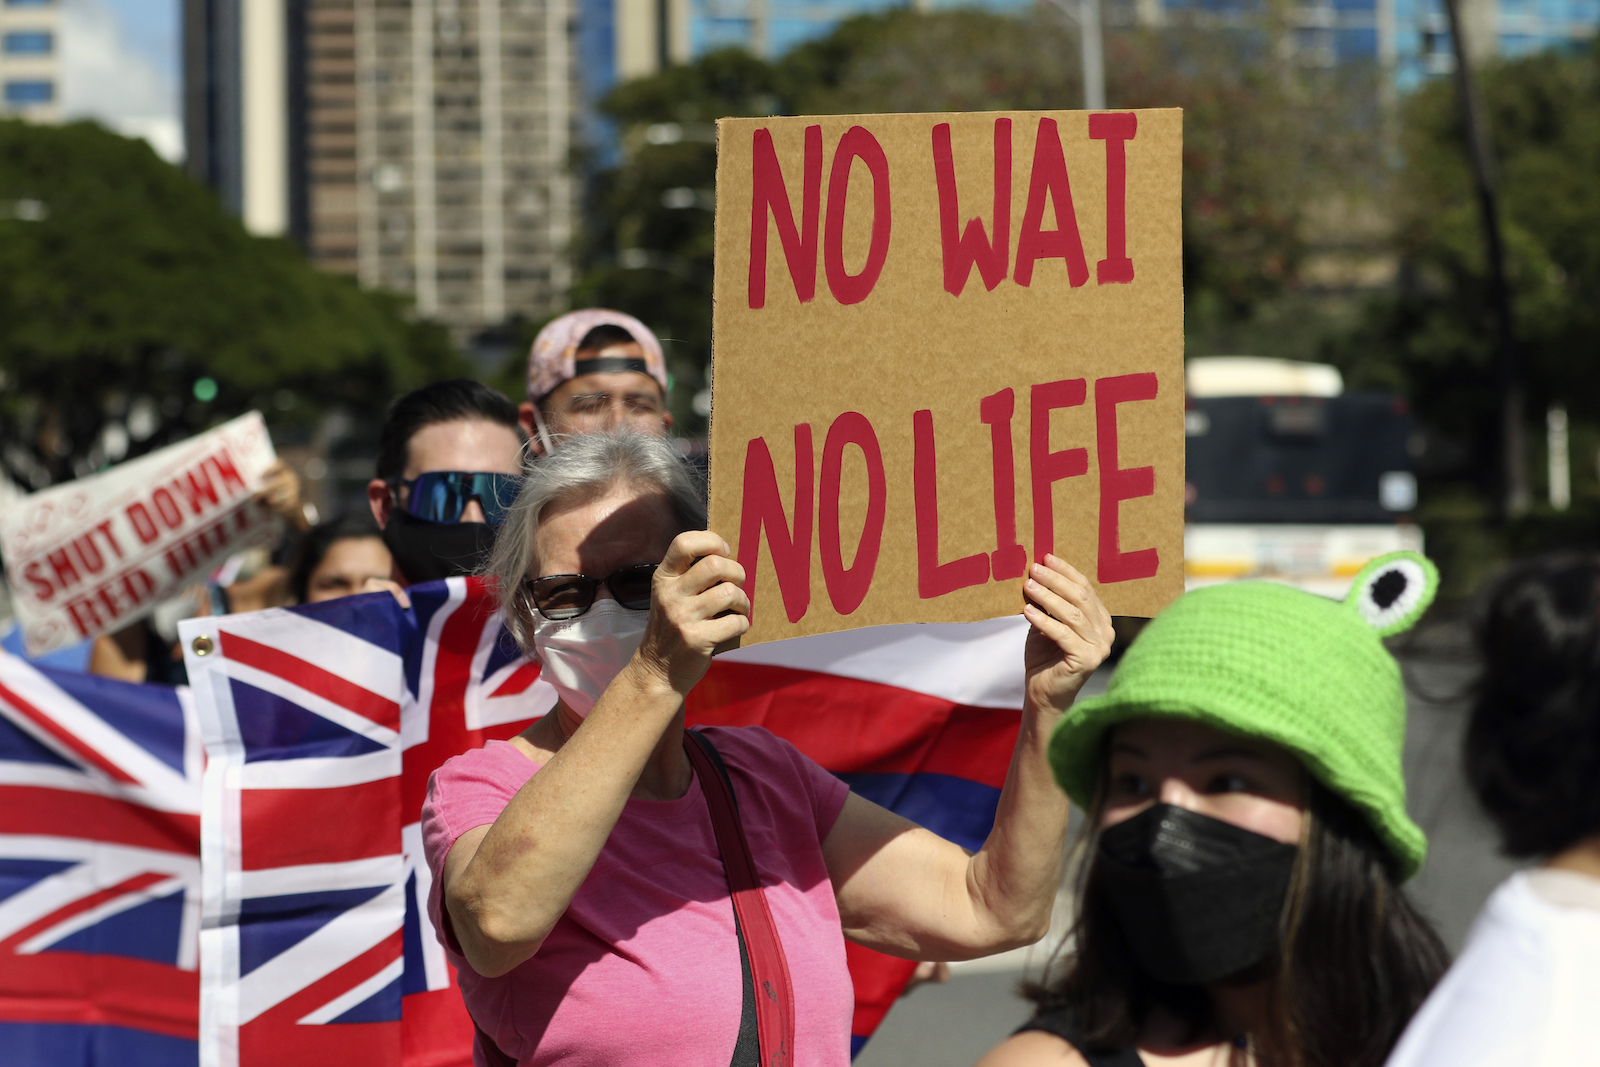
(1059, 1021)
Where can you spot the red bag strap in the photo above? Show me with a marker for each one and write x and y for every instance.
(769, 967)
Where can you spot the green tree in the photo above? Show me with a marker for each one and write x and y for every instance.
(648, 246)
(127, 290)
(1268, 147)
(1431, 338)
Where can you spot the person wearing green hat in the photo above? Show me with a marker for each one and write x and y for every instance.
(1247, 839)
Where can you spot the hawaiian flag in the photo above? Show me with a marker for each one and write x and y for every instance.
(99, 871)
(918, 718)
(323, 723)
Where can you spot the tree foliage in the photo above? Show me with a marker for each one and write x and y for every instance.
(1263, 142)
(1431, 339)
(123, 283)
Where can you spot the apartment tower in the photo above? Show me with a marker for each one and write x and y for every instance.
(424, 143)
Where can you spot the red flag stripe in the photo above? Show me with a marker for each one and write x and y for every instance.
(77, 745)
(74, 987)
(276, 1036)
(290, 827)
(879, 980)
(525, 675)
(854, 727)
(436, 1030)
(90, 817)
(346, 694)
(447, 724)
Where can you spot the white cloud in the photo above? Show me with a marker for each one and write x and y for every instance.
(105, 77)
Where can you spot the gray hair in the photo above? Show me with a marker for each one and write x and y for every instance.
(584, 467)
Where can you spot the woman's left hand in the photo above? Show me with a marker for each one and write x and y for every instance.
(1071, 633)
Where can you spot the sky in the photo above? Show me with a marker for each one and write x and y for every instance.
(120, 65)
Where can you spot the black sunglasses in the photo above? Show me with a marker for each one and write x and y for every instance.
(566, 596)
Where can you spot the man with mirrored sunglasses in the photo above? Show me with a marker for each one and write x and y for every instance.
(449, 465)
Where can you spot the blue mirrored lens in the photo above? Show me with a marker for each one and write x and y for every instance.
(442, 496)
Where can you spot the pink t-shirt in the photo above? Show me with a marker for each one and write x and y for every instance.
(644, 965)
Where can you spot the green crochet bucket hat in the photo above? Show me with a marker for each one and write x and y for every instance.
(1268, 661)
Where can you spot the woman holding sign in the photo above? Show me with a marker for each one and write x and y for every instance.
(615, 888)
(1241, 903)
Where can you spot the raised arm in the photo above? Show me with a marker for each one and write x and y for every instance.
(506, 885)
(908, 892)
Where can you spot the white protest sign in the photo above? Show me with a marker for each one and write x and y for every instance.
(93, 555)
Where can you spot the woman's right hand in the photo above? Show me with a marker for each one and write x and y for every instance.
(696, 605)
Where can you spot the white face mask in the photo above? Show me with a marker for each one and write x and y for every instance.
(582, 655)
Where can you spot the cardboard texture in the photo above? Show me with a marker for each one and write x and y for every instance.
(95, 554)
(969, 329)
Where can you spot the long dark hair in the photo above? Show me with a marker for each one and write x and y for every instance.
(1355, 962)
(1533, 743)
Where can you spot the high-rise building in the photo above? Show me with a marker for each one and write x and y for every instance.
(236, 107)
(30, 78)
(462, 137)
(419, 145)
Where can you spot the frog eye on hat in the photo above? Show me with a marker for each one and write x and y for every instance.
(1391, 593)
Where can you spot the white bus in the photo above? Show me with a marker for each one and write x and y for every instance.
(1290, 478)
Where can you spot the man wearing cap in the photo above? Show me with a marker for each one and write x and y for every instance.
(594, 369)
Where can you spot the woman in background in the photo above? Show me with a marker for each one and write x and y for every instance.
(340, 559)
(1527, 987)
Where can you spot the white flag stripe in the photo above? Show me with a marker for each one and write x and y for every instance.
(415, 714)
(189, 931)
(532, 703)
(83, 850)
(194, 760)
(96, 866)
(343, 1003)
(315, 877)
(978, 664)
(357, 661)
(484, 709)
(78, 721)
(434, 964)
(279, 686)
(472, 699)
(116, 905)
(49, 776)
(318, 773)
(331, 947)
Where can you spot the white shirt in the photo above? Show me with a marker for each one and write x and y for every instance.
(1526, 990)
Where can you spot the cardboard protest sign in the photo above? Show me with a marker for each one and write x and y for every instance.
(961, 351)
(95, 554)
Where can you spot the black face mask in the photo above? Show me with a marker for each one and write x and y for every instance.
(1198, 899)
(427, 551)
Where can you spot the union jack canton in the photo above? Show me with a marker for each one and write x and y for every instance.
(321, 725)
(99, 870)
